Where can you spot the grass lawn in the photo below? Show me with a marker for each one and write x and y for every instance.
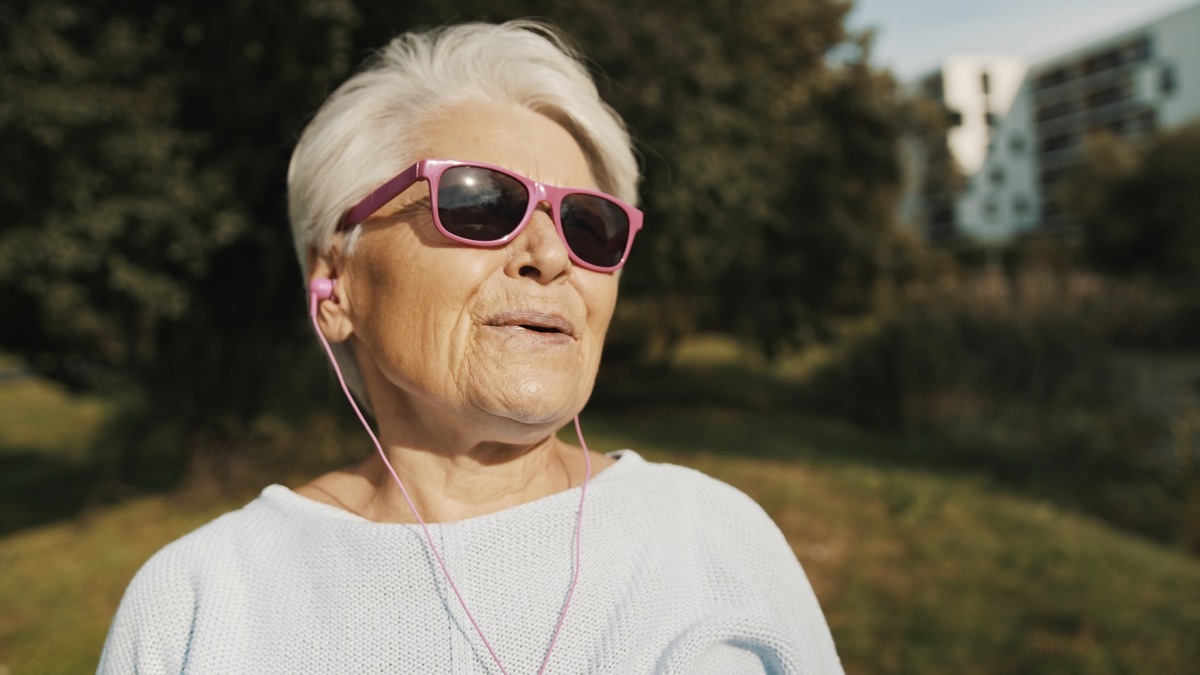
(918, 570)
(927, 572)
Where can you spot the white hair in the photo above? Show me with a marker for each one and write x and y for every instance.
(366, 131)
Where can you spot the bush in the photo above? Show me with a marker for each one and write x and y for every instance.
(1017, 377)
(1137, 205)
(951, 350)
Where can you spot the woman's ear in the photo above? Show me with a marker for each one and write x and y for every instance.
(333, 315)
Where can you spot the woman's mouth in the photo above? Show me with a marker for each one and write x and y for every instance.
(546, 323)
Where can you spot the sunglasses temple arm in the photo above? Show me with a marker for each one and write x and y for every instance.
(381, 196)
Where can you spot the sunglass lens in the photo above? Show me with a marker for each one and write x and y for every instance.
(596, 229)
(480, 204)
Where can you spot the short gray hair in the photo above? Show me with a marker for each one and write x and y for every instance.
(366, 130)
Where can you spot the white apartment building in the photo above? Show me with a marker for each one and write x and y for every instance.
(1131, 84)
(976, 92)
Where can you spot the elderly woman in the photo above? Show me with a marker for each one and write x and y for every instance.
(462, 207)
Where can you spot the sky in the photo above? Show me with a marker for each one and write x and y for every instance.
(912, 36)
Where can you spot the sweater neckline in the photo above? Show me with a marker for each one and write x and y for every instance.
(283, 497)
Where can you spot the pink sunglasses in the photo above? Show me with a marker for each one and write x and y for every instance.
(483, 205)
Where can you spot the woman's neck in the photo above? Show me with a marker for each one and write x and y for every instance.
(485, 479)
(447, 487)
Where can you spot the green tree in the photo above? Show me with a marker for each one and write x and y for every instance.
(1138, 206)
(770, 163)
(144, 147)
(936, 178)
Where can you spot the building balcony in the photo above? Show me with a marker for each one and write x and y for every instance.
(1079, 85)
(1087, 120)
(1093, 68)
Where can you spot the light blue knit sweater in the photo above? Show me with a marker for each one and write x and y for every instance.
(680, 574)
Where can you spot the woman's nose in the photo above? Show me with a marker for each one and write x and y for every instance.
(538, 252)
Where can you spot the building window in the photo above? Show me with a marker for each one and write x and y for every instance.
(991, 119)
(1141, 49)
(1114, 94)
(1057, 143)
(954, 118)
(991, 210)
(1166, 80)
(1049, 112)
(985, 83)
(1047, 80)
(1102, 61)
(1020, 205)
(996, 175)
(1016, 144)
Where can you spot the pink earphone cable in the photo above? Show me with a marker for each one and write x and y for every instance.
(313, 295)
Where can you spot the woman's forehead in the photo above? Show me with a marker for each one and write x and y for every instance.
(508, 136)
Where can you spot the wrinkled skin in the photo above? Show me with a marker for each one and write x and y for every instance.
(473, 357)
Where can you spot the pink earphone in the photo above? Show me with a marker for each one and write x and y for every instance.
(322, 289)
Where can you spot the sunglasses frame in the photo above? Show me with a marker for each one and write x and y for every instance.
(431, 170)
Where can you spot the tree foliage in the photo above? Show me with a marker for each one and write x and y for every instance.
(1138, 205)
(144, 148)
(935, 176)
(770, 161)
(145, 144)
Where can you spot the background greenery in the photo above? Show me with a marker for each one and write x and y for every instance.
(986, 459)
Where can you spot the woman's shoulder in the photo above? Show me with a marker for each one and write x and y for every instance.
(701, 504)
(211, 565)
(725, 556)
(665, 481)
(153, 622)
(273, 524)
(180, 562)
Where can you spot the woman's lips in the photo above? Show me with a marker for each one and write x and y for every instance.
(545, 323)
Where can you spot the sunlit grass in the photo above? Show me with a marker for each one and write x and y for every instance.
(713, 350)
(47, 443)
(38, 416)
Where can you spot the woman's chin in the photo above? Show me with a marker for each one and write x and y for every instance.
(534, 419)
(534, 407)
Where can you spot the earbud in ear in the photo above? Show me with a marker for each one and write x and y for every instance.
(322, 288)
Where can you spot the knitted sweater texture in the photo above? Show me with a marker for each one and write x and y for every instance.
(680, 573)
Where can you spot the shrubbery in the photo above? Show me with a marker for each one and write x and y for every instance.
(1018, 377)
(955, 349)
